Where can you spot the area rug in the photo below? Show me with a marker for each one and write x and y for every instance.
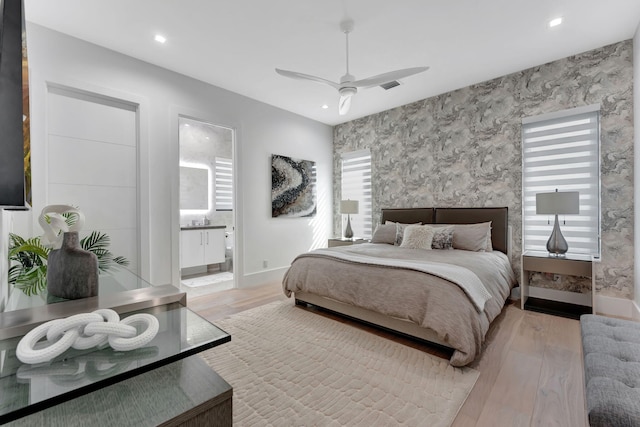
(288, 367)
(208, 280)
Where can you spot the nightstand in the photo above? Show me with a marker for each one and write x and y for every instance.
(552, 301)
(345, 242)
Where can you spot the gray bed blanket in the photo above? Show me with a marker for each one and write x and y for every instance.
(466, 279)
(426, 299)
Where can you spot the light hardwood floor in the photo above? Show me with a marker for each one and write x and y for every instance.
(530, 368)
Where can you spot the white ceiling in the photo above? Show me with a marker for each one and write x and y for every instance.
(237, 44)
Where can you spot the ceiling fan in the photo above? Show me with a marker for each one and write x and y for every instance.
(348, 85)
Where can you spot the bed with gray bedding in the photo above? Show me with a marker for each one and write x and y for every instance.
(448, 297)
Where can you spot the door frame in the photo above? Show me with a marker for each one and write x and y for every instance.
(178, 112)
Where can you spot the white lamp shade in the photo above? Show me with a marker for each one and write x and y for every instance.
(348, 206)
(558, 203)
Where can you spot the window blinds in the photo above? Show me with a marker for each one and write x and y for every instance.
(562, 151)
(356, 185)
(224, 184)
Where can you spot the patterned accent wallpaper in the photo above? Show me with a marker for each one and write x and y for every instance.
(463, 149)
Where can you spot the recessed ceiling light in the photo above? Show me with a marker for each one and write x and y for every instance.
(555, 22)
(325, 106)
(160, 39)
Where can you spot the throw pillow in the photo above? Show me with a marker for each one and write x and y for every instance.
(399, 230)
(472, 237)
(385, 233)
(442, 238)
(417, 237)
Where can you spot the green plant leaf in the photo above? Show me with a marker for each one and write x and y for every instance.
(95, 240)
(32, 282)
(28, 260)
(120, 260)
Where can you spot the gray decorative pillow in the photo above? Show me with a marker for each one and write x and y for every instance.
(442, 238)
(385, 233)
(417, 237)
(472, 237)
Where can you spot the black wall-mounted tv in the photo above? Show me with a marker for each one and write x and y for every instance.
(14, 107)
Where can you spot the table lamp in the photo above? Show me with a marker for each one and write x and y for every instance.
(557, 203)
(348, 207)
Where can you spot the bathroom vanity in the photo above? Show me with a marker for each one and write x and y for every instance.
(202, 245)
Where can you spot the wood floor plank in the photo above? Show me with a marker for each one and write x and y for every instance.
(565, 333)
(496, 348)
(497, 415)
(532, 333)
(515, 388)
(558, 401)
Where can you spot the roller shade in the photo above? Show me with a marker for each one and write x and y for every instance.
(224, 184)
(356, 185)
(561, 151)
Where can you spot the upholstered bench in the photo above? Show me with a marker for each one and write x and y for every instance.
(611, 350)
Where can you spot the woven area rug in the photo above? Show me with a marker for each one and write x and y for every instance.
(288, 366)
(208, 280)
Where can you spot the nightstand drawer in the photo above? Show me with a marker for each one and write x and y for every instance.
(564, 266)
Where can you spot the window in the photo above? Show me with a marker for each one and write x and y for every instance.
(356, 185)
(562, 151)
(224, 184)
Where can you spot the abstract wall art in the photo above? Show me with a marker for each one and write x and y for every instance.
(293, 189)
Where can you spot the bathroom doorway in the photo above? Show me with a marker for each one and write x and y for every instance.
(207, 227)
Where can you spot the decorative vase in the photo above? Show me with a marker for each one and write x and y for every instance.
(72, 272)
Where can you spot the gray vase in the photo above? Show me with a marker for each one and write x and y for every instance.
(72, 272)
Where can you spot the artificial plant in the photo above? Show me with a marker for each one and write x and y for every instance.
(28, 260)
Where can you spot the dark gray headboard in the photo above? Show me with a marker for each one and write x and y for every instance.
(499, 218)
(409, 216)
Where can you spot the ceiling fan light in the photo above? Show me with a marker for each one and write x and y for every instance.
(345, 99)
(344, 105)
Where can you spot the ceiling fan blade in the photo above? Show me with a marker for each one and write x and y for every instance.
(344, 104)
(387, 77)
(301, 76)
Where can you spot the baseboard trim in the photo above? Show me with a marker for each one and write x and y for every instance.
(262, 277)
(618, 307)
(636, 311)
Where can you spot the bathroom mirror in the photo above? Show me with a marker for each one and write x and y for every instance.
(194, 188)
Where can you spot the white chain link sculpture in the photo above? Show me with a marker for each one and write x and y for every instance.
(84, 331)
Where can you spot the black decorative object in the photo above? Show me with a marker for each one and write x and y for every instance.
(72, 272)
(293, 192)
(15, 164)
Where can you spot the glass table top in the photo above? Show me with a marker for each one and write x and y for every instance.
(109, 283)
(25, 388)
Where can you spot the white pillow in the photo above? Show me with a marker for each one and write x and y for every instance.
(400, 230)
(417, 237)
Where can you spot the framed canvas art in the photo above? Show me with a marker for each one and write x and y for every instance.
(293, 187)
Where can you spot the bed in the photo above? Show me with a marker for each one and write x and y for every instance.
(444, 296)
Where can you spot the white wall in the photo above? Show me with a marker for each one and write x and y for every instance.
(162, 95)
(636, 151)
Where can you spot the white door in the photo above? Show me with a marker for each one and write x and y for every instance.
(92, 163)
